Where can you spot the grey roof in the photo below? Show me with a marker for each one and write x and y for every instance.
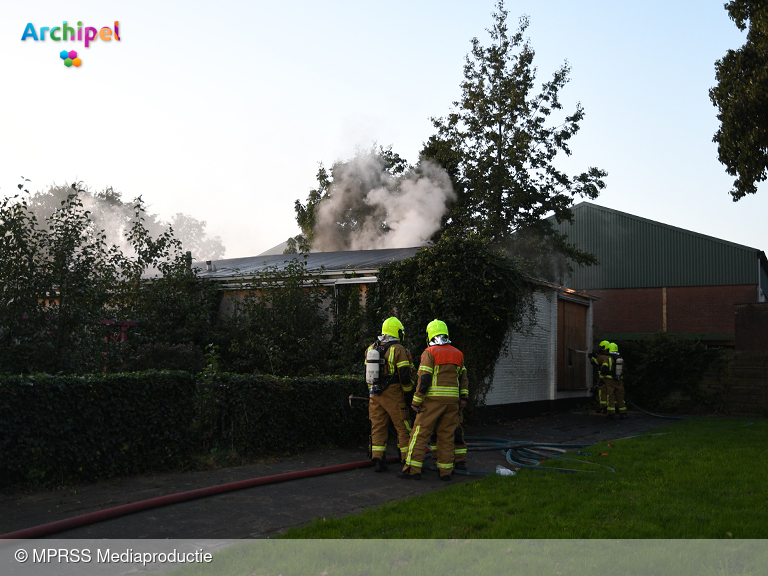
(317, 262)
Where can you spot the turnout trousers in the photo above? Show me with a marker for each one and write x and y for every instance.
(444, 416)
(459, 446)
(615, 396)
(390, 405)
(602, 396)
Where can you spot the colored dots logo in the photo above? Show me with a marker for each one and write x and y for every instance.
(70, 58)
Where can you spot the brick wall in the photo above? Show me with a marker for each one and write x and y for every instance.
(702, 309)
(690, 309)
(628, 310)
(752, 326)
(742, 388)
(527, 372)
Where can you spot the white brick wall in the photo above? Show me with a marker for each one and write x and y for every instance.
(527, 372)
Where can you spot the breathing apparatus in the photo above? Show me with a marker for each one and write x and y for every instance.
(391, 332)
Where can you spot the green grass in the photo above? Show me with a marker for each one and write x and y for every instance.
(702, 478)
(687, 500)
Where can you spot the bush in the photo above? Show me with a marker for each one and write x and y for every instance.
(73, 429)
(281, 326)
(266, 415)
(66, 429)
(657, 366)
(163, 356)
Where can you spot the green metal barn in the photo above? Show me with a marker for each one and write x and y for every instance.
(655, 277)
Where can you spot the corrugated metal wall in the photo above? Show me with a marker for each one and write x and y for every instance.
(639, 253)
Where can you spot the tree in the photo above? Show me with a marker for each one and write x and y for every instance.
(194, 238)
(499, 145)
(740, 97)
(481, 294)
(62, 285)
(280, 325)
(347, 185)
(114, 216)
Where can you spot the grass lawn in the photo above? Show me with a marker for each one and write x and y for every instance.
(688, 501)
(701, 478)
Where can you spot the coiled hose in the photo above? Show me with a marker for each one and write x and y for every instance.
(524, 454)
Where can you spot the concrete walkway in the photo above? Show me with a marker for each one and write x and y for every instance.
(265, 511)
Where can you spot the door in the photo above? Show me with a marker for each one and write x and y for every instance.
(571, 344)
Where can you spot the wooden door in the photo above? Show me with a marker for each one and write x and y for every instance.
(571, 342)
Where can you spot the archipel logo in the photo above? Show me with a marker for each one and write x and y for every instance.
(70, 58)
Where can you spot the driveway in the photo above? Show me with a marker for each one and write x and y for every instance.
(265, 511)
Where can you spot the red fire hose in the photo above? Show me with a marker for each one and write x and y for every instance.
(93, 517)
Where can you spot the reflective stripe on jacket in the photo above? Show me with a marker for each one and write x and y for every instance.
(445, 364)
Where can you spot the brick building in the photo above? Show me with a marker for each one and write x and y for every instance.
(653, 277)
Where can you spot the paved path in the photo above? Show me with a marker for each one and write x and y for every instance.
(265, 511)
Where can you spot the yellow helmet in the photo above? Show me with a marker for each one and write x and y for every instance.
(605, 345)
(392, 327)
(613, 347)
(436, 328)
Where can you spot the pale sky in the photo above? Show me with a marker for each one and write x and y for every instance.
(222, 110)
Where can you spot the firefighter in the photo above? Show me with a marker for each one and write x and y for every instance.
(389, 392)
(615, 385)
(598, 360)
(443, 390)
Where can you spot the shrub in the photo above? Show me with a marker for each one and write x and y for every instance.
(664, 363)
(163, 356)
(70, 429)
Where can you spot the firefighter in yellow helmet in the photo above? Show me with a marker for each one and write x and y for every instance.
(598, 360)
(614, 384)
(442, 390)
(388, 391)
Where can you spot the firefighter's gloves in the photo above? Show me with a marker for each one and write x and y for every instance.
(462, 404)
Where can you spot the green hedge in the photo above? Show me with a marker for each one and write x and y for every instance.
(267, 415)
(66, 428)
(62, 429)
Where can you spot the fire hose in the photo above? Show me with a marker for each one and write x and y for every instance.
(520, 454)
(93, 517)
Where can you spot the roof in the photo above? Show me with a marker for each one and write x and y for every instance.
(635, 252)
(323, 263)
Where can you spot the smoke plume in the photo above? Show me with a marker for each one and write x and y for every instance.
(369, 208)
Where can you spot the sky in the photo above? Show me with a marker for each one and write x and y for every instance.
(224, 110)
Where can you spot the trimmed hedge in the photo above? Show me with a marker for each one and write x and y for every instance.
(258, 414)
(64, 429)
(67, 428)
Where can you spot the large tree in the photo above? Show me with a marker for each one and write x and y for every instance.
(353, 178)
(114, 216)
(741, 97)
(500, 143)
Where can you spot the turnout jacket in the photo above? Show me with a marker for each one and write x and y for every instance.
(442, 376)
(605, 364)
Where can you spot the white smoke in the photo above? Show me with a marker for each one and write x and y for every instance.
(369, 208)
(115, 217)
